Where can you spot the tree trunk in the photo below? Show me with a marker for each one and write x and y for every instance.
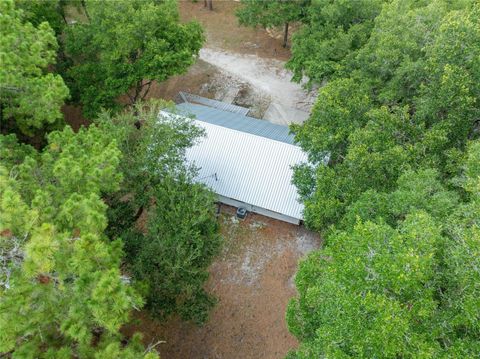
(140, 210)
(285, 35)
(210, 5)
(62, 12)
(147, 89)
(204, 3)
(84, 6)
(138, 90)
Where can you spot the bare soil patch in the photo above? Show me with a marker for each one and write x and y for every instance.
(253, 281)
(223, 31)
(238, 64)
(268, 77)
(211, 81)
(74, 117)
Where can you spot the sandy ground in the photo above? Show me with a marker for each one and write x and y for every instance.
(238, 64)
(253, 277)
(253, 281)
(255, 82)
(254, 60)
(268, 76)
(210, 81)
(222, 30)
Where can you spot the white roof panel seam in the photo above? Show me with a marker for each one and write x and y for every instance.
(250, 168)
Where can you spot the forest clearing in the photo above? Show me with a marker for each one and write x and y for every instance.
(253, 280)
(239, 179)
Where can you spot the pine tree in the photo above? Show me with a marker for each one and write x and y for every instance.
(62, 293)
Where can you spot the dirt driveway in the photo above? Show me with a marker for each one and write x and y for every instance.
(253, 280)
(240, 65)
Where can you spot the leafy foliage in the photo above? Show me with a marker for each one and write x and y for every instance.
(31, 95)
(398, 200)
(180, 243)
(153, 147)
(38, 11)
(333, 32)
(62, 288)
(406, 288)
(125, 46)
(177, 238)
(269, 13)
(62, 293)
(377, 122)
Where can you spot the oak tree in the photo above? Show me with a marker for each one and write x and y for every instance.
(125, 46)
(269, 13)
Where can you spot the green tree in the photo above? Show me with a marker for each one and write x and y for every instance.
(269, 13)
(31, 96)
(398, 201)
(376, 122)
(125, 46)
(176, 240)
(362, 296)
(152, 150)
(62, 293)
(415, 190)
(38, 11)
(332, 33)
(398, 280)
(180, 242)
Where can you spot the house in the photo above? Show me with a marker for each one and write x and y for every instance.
(247, 162)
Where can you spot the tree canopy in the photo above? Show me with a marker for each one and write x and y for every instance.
(177, 239)
(393, 113)
(124, 46)
(332, 33)
(61, 284)
(180, 243)
(38, 11)
(398, 279)
(270, 13)
(397, 118)
(68, 210)
(31, 96)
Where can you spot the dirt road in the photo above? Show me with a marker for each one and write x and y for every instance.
(289, 101)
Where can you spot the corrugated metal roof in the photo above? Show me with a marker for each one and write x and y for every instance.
(249, 168)
(237, 122)
(188, 97)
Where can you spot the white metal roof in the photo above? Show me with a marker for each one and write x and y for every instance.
(249, 168)
(223, 106)
(236, 121)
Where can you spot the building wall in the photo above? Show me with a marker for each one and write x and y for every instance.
(259, 210)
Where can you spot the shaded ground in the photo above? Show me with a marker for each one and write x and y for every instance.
(74, 117)
(238, 64)
(223, 31)
(253, 280)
